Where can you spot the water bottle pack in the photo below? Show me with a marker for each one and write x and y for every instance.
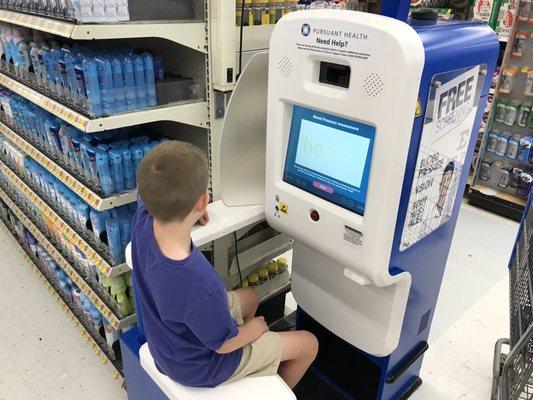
(94, 80)
(107, 161)
(84, 11)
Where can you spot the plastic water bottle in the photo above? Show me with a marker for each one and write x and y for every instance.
(98, 222)
(25, 61)
(104, 172)
(159, 68)
(136, 155)
(129, 84)
(118, 84)
(42, 57)
(114, 240)
(117, 169)
(129, 171)
(148, 63)
(92, 87)
(83, 212)
(75, 143)
(107, 90)
(34, 57)
(140, 81)
(55, 73)
(93, 167)
(125, 229)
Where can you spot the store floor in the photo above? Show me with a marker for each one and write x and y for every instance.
(43, 356)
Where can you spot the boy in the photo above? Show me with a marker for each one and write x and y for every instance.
(198, 334)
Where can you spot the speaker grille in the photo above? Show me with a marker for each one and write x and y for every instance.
(285, 67)
(373, 85)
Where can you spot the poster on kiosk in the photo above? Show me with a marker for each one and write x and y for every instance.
(369, 141)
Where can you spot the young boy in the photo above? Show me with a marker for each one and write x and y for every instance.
(198, 334)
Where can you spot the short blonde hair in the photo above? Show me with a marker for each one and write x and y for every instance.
(171, 178)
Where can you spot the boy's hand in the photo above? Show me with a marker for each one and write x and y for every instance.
(249, 332)
(259, 325)
(204, 219)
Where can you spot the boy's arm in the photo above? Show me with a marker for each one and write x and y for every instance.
(249, 332)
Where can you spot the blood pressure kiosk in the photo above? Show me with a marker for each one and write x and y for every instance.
(371, 126)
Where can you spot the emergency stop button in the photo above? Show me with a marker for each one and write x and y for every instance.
(315, 216)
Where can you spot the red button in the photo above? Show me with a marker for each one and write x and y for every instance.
(315, 216)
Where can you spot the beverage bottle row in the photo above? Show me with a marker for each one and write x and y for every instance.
(85, 11)
(61, 281)
(99, 81)
(108, 161)
(111, 229)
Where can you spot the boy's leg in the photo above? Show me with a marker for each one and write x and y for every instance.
(298, 351)
(249, 301)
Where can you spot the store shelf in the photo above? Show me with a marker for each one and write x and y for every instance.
(97, 202)
(188, 112)
(97, 348)
(488, 191)
(102, 307)
(105, 267)
(255, 38)
(187, 33)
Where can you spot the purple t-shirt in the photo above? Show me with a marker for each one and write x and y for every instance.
(185, 311)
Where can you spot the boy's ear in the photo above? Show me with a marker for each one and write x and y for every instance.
(203, 201)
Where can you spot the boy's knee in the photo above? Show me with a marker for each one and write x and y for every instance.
(311, 344)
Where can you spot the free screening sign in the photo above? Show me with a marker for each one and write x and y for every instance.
(450, 114)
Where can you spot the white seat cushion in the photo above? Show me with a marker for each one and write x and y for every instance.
(257, 388)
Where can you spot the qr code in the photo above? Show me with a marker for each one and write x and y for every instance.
(353, 237)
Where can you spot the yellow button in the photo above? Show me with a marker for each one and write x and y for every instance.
(283, 207)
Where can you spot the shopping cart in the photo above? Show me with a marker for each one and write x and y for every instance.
(513, 371)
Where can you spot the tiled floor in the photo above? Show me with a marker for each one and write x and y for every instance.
(43, 356)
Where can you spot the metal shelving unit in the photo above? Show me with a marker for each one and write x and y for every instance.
(188, 112)
(206, 51)
(74, 237)
(489, 192)
(92, 198)
(106, 310)
(100, 347)
(187, 33)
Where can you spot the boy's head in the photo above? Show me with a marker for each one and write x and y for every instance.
(172, 181)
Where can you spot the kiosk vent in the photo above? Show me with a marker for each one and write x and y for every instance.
(373, 85)
(285, 67)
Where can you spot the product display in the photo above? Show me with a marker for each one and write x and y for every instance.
(107, 162)
(96, 81)
(81, 10)
(506, 155)
(111, 229)
(78, 301)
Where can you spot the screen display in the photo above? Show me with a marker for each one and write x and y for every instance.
(330, 157)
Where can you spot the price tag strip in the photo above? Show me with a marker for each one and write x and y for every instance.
(93, 199)
(56, 27)
(72, 236)
(70, 314)
(72, 117)
(64, 264)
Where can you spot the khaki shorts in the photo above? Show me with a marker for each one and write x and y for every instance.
(262, 356)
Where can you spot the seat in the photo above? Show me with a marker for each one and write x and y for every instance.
(253, 388)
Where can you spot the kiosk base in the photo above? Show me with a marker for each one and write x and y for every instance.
(342, 372)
